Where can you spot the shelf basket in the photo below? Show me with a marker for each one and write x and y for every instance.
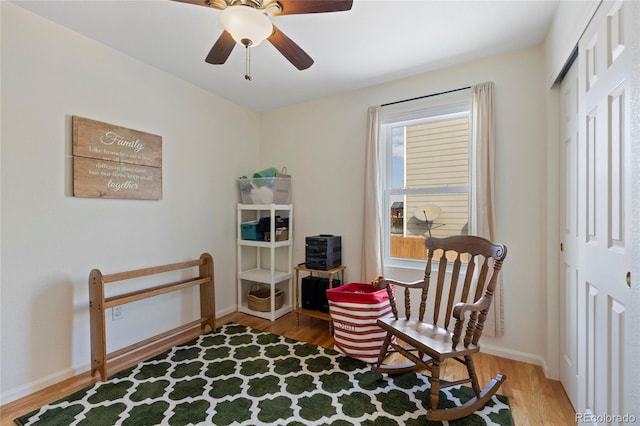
(259, 298)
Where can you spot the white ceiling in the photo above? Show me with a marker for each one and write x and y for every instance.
(377, 41)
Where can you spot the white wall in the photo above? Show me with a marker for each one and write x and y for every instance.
(322, 143)
(51, 240)
(569, 22)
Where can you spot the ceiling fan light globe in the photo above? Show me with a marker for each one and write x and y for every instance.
(246, 23)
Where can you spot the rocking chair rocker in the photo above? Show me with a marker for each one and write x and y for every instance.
(427, 344)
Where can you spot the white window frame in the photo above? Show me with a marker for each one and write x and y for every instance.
(444, 107)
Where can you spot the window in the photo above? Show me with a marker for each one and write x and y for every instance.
(425, 175)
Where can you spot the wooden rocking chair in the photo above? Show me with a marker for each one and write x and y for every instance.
(426, 344)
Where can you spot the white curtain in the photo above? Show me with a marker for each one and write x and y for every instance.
(483, 195)
(372, 265)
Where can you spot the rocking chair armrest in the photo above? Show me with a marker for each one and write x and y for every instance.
(382, 283)
(460, 309)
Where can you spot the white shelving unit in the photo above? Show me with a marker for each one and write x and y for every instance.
(265, 263)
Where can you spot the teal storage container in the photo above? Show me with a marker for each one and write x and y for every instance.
(249, 231)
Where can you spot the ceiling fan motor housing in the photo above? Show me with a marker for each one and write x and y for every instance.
(251, 3)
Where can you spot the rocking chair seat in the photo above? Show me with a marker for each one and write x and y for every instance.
(432, 340)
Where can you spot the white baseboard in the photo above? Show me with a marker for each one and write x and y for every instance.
(515, 355)
(42, 383)
(226, 311)
(39, 384)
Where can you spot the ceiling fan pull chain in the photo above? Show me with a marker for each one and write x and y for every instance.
(247, 75)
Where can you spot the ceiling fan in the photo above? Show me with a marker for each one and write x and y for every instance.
(247, 23)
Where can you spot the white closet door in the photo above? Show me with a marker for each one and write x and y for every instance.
(604, 218)
(569, 232)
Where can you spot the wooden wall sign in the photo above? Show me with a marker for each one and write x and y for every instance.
(115, 162)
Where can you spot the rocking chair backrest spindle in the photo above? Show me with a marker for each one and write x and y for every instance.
(474, 251)
(461, 283)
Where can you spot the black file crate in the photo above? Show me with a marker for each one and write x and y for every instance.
(323, 252)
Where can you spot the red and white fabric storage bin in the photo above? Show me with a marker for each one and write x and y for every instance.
(354, 310)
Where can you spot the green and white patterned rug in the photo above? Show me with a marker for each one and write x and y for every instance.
(241, 376)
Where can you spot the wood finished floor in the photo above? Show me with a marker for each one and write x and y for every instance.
(534, 399)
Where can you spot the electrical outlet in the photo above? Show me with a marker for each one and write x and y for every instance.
(117, 313)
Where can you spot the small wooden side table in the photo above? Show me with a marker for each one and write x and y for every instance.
(310, 313)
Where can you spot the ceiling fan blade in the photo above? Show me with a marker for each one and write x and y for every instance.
(196, 2)
(216, 4)
(290, 50)
(296, 7)
(221, 49)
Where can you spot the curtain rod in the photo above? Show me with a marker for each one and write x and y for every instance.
(425, 96)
